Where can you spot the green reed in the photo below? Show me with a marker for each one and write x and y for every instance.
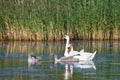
(51, 19)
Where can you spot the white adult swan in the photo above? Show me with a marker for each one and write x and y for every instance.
(72, 52)
(82, 55)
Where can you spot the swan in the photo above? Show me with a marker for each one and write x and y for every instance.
(33, 59)
(66, 54)
(67, 43)
(65, 59)
(82, 55)
(86, 55)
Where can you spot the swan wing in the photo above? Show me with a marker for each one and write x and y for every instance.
(81, 52)
(74, 53)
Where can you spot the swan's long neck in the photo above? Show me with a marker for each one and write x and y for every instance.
(67, 42)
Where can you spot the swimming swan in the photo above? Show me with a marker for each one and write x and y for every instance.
(33, 59)
(82, 55)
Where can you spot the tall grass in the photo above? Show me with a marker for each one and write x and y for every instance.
(51, 19)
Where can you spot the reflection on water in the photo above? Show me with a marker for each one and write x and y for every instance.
(68, 71)
(14, 64)
(78, 65)
(32, 64)
(55, 47)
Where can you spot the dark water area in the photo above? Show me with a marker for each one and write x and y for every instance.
(14, 61)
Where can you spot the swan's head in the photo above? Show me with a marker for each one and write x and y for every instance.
(66, 37)
(69, 48)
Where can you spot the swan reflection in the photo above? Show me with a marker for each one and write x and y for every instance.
(68, 71)
(80, 65)
(32, 64)
(85, 65)
(33, 60)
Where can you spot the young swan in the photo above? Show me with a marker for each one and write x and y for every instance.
(69, 56)
(32, 58)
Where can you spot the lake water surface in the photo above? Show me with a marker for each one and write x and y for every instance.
(14, 64)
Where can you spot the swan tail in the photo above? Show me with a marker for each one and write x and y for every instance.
(93, 55)
(81, 52)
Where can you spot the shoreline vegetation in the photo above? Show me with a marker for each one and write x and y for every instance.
(42, 20)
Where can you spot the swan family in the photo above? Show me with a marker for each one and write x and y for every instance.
(71, 55)
(71, 59)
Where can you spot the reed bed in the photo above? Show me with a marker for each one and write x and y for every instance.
(40, 20)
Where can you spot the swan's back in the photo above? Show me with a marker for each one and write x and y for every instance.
(32, 58)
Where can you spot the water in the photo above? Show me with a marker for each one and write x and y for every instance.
(14, 64)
